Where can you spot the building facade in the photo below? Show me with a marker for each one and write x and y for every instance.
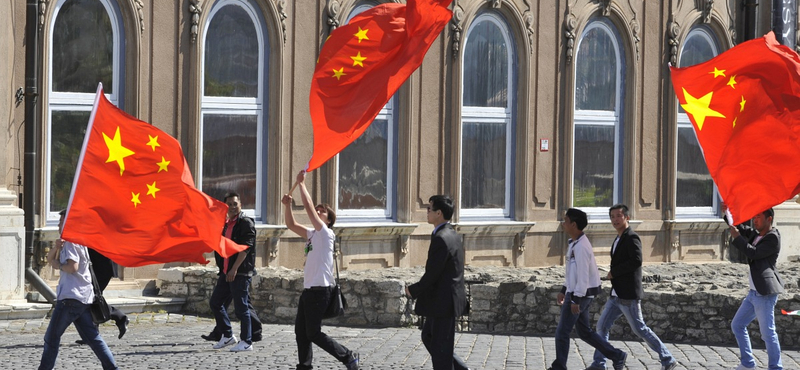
(521, 109)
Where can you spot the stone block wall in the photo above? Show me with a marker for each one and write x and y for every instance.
(516, 301)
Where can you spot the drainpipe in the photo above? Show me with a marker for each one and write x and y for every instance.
(32, 133)
(750, 16)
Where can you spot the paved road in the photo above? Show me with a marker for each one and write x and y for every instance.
(172, 341)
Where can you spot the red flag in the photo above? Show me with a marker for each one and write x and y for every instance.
(362, 65)
(745, 108)
(133, 198)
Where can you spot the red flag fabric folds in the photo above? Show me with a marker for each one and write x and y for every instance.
(745, 108)
(133, 198)
(362, 65)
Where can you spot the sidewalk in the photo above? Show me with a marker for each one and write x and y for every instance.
(172, 341)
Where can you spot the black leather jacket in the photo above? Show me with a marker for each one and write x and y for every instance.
(244, 233)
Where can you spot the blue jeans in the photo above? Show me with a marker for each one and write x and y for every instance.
(761, 307)
(632, 310)
(66, 312)
(239, 291)
(569, 320)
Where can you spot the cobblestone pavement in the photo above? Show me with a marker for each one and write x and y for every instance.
(172, 341)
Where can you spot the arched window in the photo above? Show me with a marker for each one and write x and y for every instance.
(598, 125)
(487, 121)
(233, 127)
(86, 44)
(695, 192)
(367, 167)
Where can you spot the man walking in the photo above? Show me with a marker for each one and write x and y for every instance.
(440, 293)
(235, 274)
(581, 285)
(626, 290)
(761, 245)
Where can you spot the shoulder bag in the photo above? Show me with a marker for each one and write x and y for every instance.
(337, 304)
(99, 308)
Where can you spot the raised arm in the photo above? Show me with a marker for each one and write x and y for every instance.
(288, 217)
(308, 203)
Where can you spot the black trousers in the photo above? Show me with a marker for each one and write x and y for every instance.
(438, 336)
(308, 328)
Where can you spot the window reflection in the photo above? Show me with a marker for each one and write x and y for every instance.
(231, 59)
(68, 130)
(483, 177)
(596, 72)
(230, 144)
(594, 172)
(363, 169)
(82, 47)
(486, 67)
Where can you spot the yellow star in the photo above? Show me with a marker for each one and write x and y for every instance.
(162, 166)
(734, 121)
(152, 189)
(358, 60)
(361, 34)
(741, 104)
(718, 72)
(153, 143)
(732, 82)
(135, 199)
(117, 152)
(699, 109)
(338, 74)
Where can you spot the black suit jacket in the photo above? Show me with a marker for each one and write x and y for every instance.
(244, 233)
(762, 258)
(440, 292)
(626, 266)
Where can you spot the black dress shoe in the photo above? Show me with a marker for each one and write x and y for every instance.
(123, 327)
(214, 336)
(80, 341)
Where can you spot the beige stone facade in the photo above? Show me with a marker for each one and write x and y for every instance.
(161, 72)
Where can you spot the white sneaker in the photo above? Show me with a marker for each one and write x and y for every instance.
(242, 346)
(742, 367)
(226, 341)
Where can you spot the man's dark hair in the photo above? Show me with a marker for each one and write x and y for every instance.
(231, 195)
(769, 213)
(442, 203)
(621, 206)
(330, 211)
(578, 217)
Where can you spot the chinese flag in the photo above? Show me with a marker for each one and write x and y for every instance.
(133, 198)
(361, 66)
(745, 108)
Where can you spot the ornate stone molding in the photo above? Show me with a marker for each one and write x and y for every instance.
(140, 12)
(635, 29)
(604, 6)
(455, 26)
(673, 31)
(195, 8)
(332, 9)
(706, 7)
(496, 3)
(570, 23)
(42, 10)
(282, 14)
(529, 20)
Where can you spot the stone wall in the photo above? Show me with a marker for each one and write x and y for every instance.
(684, 303)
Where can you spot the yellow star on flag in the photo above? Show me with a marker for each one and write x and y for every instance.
(718, 72)
(152, 189)
(117, 152)
(358, 60)
(338, 74)
(361, 34)
(699, 109)
(162, 166)
(153, 143)
(135, 199)
(732, 82)
(741, 104)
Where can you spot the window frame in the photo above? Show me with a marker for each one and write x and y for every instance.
(602, 118)
(683, 122)
(481, 114)
(79, 102)
(239, 106)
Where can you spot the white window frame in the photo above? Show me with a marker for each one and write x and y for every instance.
(231, 106)
(504, 115)
(78, 102)
(600, 118)
(344, 215)
(683, 122)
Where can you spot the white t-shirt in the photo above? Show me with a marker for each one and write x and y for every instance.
(318, 270)
(77, 285)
